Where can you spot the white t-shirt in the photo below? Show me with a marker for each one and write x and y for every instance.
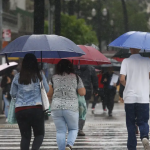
(137, 69)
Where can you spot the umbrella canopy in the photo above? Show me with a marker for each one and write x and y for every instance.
(92, 57)
(45, 46)
(125, 53)
(114, 63)
(5, 67)
(133, 39)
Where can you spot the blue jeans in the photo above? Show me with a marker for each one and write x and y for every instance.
(62, 118)
(6, 109)
(141, 113)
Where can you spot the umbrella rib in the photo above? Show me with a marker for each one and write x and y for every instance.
(145, 40)
(26, 41)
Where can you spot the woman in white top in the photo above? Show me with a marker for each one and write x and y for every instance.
(64, 88)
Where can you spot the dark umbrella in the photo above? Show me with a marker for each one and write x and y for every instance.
(43, 46)
(92, 57)
(125, 53)
(114, 64)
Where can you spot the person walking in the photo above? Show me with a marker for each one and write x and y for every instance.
(109, 90)
(100, 93)
(136, 97)
(88, 75)
(28, 108)
(6, 85)
(64, 87)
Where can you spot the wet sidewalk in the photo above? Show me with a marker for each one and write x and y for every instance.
(99, 117)
(102, 132)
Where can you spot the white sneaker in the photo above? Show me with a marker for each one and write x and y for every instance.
(145, 142)
(6, 120)
(68, 147)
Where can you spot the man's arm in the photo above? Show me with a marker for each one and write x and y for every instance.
(123, 79)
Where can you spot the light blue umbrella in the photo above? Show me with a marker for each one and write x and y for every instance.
(133, 39)
(43, 46)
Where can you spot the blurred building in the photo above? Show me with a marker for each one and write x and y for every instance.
(17, 17)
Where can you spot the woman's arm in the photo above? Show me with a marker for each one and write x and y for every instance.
(82, 91)
(50, 93)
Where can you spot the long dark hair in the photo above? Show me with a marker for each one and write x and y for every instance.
(29, 70)
(64, 66)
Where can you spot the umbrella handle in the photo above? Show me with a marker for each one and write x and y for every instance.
(6, 59)
(41, 61)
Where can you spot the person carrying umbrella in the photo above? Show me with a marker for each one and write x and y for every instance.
(65, 85)
(109, 90)
(88, 75)
(136, 96)
(100, 93)
(29, 113)
(5, 85)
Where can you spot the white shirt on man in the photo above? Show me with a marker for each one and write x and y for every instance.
(137, 69)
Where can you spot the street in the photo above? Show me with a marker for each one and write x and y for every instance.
(102, 132)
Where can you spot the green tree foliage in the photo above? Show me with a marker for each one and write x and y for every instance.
(137, 16)
(136, 10)
(76, 30)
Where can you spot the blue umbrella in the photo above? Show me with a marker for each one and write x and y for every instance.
(43, 46)
(132, 39)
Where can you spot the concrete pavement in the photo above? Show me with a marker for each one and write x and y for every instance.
(102, 132)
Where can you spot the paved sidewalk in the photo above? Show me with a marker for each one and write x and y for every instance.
(99, 116)
(102, 132)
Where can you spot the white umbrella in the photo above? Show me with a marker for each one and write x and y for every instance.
(4, 67)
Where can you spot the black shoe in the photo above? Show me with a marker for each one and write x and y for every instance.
(68, 147)
(93, 111)
(81, 133)
(110, 114)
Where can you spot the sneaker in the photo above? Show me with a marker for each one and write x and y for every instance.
(81, 133)
(105, 109)
(68, 147)
(145, 142)
(6, 120)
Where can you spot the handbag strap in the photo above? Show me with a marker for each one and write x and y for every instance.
(77, 83)
(77, 79)
(41, 84)
(52, 81)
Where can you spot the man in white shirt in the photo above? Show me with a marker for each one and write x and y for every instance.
(136, 96)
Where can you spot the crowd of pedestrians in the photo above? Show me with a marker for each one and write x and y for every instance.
(63, 89)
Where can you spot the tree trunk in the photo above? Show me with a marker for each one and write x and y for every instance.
(39, 16)
(63, 6)
(78, 8)
(58, 17)
(71, 5)
(125, 15)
